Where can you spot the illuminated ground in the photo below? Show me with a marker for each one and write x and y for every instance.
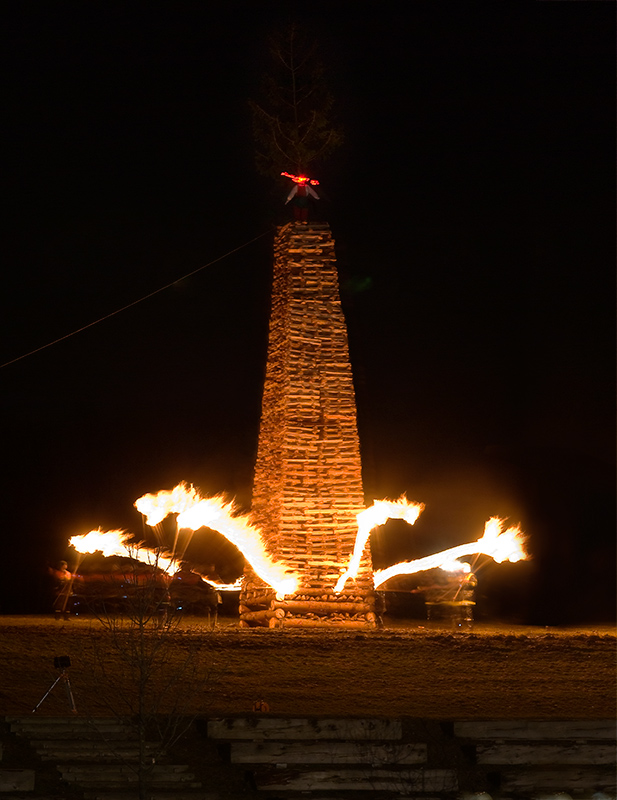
(406, 669)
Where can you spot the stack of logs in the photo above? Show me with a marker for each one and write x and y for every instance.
(308, 608)
(308, 476)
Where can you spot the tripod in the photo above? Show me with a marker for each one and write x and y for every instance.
(63, 676)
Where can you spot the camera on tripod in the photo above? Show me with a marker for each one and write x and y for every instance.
(62, 663)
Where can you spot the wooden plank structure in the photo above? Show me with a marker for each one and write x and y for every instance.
(16, 780)
(307, 487)
(523, 756)
(98, 758)
(336, 757)
(330, 758)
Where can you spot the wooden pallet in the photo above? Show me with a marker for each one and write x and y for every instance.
(522, 756)
(308, 474)
(98, 757)
(333, 757)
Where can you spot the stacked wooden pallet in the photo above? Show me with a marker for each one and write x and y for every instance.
(332, 757)
(526, 757)
(428, 759)
(100, 757)
(308, 475)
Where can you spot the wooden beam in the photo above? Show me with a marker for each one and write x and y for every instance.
(598, 753)
(263, 616)
(277, 729)
(534, 730)
(356, 780)
(563, 779)
(327, 753)
(16, 780)
(322, 607)
(302, 622)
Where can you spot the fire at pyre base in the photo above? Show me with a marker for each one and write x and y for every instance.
(308, 477)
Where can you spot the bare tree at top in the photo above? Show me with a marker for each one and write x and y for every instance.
(292, 121)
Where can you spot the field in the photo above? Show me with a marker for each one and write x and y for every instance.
(406, 669)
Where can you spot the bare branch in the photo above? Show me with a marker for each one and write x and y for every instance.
(292, 120)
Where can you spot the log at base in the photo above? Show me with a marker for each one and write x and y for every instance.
(350, 611)
(262, 617)
(322, 607)
(325, 622)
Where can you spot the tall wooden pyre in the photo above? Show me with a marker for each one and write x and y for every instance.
(308, 479)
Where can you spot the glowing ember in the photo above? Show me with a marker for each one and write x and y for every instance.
(196, 512)
(501, 546)
(370, 518)
(300, 179)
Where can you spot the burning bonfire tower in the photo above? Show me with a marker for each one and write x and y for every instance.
(308, 480)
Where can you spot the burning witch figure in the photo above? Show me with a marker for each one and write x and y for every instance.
(300, 194)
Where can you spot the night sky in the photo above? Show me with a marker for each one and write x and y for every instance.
(472, 206)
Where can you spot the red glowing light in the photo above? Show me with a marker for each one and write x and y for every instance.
(301, 179)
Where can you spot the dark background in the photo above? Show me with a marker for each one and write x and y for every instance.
(473, 211)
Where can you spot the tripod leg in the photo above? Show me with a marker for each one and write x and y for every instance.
(69, 692)
(47, 693)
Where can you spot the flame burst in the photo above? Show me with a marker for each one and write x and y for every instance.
(196, 512)
(377, 514)
(118, 543)
(109, 543)
(498, 544)
(155, 507)
(455, 566)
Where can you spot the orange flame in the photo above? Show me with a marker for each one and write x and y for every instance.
(196, 512)
(109, 543)
(117, 543)
(455, 566)
(498, 544)
(155, 507)
(223, 587)
(370, 518)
